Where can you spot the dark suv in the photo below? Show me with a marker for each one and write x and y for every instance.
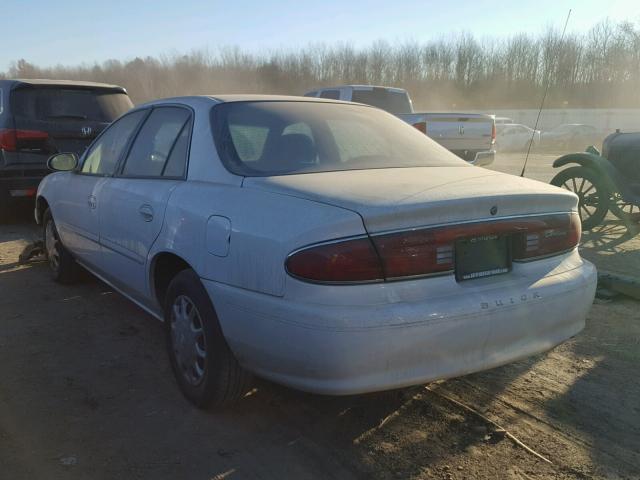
(41, 117)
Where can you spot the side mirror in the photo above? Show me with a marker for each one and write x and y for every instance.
(62, 162)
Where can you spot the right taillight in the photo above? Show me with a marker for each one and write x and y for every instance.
(429, 251)
(547, 235)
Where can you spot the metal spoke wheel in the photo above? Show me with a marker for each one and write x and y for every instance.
(188, 340)
(593, 197)
(629, 212)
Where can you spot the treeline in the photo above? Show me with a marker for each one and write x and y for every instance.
(596, 69)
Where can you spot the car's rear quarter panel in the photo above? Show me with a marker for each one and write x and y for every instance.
(265, 228)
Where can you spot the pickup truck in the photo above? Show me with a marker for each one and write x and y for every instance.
(471, 136)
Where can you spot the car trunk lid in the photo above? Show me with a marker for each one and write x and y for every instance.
(400, 198)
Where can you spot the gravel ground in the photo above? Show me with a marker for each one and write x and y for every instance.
(87, 392)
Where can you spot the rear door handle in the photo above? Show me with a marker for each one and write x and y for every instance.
(146, 211)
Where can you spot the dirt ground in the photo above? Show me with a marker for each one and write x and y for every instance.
(87, 393)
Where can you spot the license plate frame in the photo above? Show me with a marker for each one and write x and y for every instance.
(482, 256)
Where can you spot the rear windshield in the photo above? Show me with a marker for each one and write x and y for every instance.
(389, 100)
(277, 138)
(69, 104)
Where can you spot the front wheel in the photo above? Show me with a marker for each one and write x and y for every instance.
(593, 196)
(206, 370)
(62, 265)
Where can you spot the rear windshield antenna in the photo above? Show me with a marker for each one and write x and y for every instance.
(544, 96)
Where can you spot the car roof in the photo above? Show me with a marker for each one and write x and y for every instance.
(195, 100)
(62, 83)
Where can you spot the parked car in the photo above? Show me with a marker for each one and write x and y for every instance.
(516, 137)
(327, 246)
(604, 182)
(41, 117)
(570, 136)
(470, 136)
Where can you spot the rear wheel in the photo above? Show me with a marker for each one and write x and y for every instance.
(206, 370)
(593, 196)
(62, 266)
(629, 212)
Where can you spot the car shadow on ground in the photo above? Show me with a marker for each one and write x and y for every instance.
(581, 401)
(602, 405)
(88, 393)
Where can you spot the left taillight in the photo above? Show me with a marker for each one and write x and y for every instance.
(347, 261)
(493, 133)
(421, 126)
(12, 140)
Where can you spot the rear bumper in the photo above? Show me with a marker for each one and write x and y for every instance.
(19, 184)
(22, 175)
(483, 159)
(349, 349)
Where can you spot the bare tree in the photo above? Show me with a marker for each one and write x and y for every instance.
(599, 68)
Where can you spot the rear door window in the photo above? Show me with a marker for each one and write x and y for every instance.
(390, 100)
(69, 104)
(154, 147)
(104, 154)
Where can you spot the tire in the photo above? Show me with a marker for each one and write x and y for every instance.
(62, 266)
(593, 196)
(204, 366)
(627, 212)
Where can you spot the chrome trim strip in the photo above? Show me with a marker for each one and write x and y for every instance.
(328, 242)
(468, 222)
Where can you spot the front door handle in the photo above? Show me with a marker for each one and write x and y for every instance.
(146, 211)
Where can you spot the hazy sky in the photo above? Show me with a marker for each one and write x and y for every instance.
(48, 32)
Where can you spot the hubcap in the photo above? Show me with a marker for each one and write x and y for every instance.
(51, 245)
(187, 335)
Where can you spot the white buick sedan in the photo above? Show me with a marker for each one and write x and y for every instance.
(324, 245)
